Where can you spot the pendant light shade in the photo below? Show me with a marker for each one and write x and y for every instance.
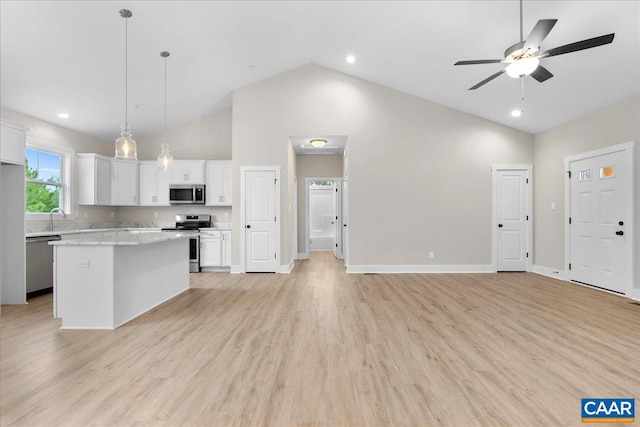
(126, 148)
(165, 159)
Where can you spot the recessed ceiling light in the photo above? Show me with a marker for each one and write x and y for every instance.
(351, 59)
(318, 143)
(139, 106)
(516, 113)
(63, 115)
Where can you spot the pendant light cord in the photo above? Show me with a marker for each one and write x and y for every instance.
(126, 74)
(165, 99)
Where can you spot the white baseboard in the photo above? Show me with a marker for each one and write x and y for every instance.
(215, 269)
(286, 268)
(235, 269)
(302, 256)
(420, 269)
(550, 272)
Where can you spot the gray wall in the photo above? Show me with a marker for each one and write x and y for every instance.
(419, 172)
(613, 125)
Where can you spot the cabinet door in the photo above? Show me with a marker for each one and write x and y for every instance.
(226, 248)
(102, 177)
(179, 173)
(196, 173)
(12, 147)
(148, 184)
(227, 198)
(164, 177)
(125, 183)
(210, 252)
(214, 184)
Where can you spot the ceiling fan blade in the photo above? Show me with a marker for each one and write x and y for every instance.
(581, 45)
(479, 61)
(541, 74)
(539, 33)
(487, 80)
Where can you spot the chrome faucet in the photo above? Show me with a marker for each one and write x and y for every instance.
(51, 212)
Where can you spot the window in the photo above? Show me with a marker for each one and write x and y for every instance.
(47, 175)
(44, 186)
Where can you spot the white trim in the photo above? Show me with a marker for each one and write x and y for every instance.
(302, 256)
(338, 185)
(294, 214)
(243, 240)
(287, 268)
(68, 178)
(631, 292)
(235, 269)
(397, 269)
(494, 208)
(550, 272)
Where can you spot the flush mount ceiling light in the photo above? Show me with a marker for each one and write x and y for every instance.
(351, 59)
(318, 143)
(165, 159)
(63, 115)
(125, 145)
(516, 113)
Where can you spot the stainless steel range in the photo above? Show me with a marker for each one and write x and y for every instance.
(192, 223)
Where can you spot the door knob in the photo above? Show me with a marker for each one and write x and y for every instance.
(500, 225)
(248, 226)
(621, 223)
(620, 233)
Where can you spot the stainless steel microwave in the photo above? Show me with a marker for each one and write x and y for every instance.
(183, 194)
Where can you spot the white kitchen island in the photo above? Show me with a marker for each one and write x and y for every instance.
(102, 282)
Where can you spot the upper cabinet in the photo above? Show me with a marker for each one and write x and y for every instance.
(124, 182)
(94, 179)
(218, 184)
(154, 184)
(187, 172)
(12, 143)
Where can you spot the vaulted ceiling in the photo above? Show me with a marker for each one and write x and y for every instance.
(68, 56)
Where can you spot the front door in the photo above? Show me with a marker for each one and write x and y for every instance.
(260, 218)
(597, 217)
(512, 215)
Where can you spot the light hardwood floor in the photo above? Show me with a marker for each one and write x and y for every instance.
(319, 347)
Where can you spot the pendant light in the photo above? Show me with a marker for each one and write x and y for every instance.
(165, 159)
(125, 145)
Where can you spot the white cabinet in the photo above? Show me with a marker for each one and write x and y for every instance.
(215, 248)
(154, 184)
(187, 172)
(94, 179)
(218, 183)
(12, 143)
(124, 182)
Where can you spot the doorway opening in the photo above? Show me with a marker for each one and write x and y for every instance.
(323, 213)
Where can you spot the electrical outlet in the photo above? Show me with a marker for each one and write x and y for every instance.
(226, 214)
(431, 255)
(155, 214)
(83, 263)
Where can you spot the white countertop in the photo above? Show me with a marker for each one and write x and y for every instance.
(123, 237)
(84, 231)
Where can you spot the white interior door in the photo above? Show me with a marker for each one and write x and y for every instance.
(344, 235)
(260, 221)
(338, 223)
(512, 215)
(598, 240)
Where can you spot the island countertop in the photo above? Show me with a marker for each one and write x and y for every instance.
(123, 238)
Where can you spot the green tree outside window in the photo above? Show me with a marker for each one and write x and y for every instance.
(42, 173)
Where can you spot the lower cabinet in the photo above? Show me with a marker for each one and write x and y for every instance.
(215, 248)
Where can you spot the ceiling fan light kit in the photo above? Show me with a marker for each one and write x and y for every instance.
(523, 58)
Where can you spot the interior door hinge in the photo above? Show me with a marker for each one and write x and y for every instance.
(275, 255)
(527, 217)
(569, 220)
(527, 180)
(527, 254)
(569, 173)
(336, 190)
(275, 219)
(569, 266)
(336, 245)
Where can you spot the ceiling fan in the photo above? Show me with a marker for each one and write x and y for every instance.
(523, 58)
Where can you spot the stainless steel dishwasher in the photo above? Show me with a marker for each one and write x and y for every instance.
(39, 264)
